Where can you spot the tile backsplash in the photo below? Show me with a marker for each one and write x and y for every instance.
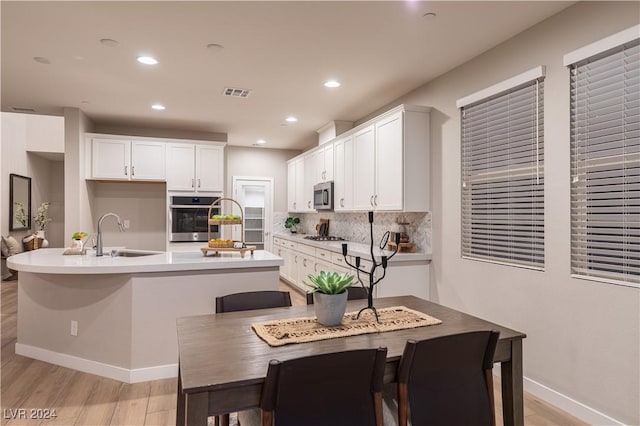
(355, 226)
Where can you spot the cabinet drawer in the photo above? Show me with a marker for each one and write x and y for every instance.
(338, 259)
(291, 245)
(310, 250)
(323, 254)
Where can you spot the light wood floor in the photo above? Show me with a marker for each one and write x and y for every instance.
(84, 399)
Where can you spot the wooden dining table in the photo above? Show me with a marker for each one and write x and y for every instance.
(223, 363)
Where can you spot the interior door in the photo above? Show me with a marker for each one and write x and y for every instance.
(255, 195)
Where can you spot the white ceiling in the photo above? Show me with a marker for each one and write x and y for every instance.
(282, 51)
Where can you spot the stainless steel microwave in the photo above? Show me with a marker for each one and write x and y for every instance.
(323, 196)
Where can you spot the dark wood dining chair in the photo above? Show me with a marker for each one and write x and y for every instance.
(251, 300)
(337, 389)
(448, 380)
(354, 293)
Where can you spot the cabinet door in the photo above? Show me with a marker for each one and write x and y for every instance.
(291, 186)
(148, 160)
(294, 271)
(363, 169)
(300, 199)
(180, 167)
(110, 159)
(389, 167)
(328, 162)
(317, 162)
(309, 181)
(343, 175)
(209, 168)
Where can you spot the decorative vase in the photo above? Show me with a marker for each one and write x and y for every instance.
(42, 241)
(330, 308)
(77, 244)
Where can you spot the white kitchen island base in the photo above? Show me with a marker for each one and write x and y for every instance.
(126, 322)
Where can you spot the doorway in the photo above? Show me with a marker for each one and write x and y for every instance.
(255, 195)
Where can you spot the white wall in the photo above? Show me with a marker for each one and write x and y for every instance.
(583, 337)
(244, 161)
(20, 133)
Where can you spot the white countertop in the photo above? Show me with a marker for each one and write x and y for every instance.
(52, 261)
(354, 249)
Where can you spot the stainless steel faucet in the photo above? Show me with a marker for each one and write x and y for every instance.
(99, 238)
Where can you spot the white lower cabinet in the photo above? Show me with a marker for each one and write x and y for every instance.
(410, 277)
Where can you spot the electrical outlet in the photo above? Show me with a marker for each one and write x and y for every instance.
(74, 328)
(126, 223)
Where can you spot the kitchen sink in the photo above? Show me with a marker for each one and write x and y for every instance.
(133, 253)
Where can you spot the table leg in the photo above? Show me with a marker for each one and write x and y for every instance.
(180, 402)
(196, 409)
(512, 391)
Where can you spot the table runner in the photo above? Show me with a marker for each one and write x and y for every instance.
(300, 330)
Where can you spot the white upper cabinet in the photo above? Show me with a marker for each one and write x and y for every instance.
(209, 168)
(124, 159)
(181, 166)
(382, 164)
(296, 185)
(323, 158)
(364, 162)
(195, 167)
(310, 174)
(343, 174)
(389, 164)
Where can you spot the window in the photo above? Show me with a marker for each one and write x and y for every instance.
(605, 162)
(503, 172)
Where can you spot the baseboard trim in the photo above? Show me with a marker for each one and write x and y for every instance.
(565, 403)
(570, 405)
(98, 368)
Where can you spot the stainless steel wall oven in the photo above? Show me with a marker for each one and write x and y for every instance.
(188, 218)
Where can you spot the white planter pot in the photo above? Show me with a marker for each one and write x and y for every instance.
(330, 308)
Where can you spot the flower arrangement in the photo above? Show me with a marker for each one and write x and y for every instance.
(21, 216)
(41, 218)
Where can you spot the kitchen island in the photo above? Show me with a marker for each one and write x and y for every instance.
(116, 316)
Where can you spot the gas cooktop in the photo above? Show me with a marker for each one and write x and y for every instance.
(323, 238)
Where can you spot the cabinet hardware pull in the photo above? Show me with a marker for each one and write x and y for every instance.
(315, 267)
(375, 200)
(304, 262)
(193, 183)
(309, 204)
(125, 170)
(371, 200)
(133, 170)
(294, 206)
(198, 182)
(341, 202)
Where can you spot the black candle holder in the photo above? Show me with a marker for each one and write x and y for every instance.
(384, 260)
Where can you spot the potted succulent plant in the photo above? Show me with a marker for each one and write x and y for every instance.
(292, 224)
(330, 298)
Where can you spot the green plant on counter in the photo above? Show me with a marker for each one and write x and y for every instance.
(292, 224)
(329, 282)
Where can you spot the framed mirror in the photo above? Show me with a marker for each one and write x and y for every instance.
(19, 202)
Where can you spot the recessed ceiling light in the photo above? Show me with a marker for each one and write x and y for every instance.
(41, 60)
(214, 47)
(158, 107)
(109, 42)
(261, 142)
(291, 119)
(147, 60)
(332, 84)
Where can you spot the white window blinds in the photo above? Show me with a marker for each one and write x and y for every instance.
(605, 165)
(503, 177)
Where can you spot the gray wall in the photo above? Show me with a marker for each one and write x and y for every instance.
(582, 336)
(244, 161)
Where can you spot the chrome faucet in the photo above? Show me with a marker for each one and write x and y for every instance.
(99, 238)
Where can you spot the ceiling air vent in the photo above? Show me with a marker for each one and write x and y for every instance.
(19, 109)
(236, 92)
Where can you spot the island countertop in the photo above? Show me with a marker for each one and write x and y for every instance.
(52, 261)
